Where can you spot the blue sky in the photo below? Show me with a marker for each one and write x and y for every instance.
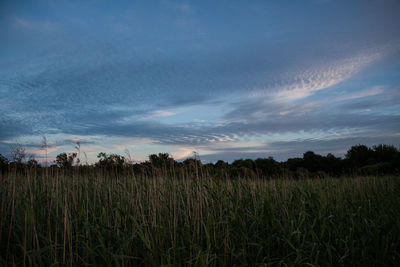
(228, 79)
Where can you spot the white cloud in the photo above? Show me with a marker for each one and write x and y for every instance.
(375, 90)
(183, 152)
(159, 114)
(299, 85)
(43, 151)
(150, 115)
(320, 78)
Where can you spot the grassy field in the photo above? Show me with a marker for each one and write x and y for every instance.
(125, 221)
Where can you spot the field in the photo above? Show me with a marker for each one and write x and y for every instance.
(100, 220)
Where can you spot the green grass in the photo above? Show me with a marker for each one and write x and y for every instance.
(104, 221)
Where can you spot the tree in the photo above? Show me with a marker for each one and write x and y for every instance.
(110, 161)
(333, 165)
(385, 153)
(32, 162)
(243, 168)
(293, 164)
(268, 167)
(244, 163)
(18, 153)
(221, 164)
(193, 162)
(360, 155)
(3, 162)
(65, 161)
(313, 162)
(162, 160)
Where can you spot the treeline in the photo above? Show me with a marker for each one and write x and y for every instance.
(359, 160)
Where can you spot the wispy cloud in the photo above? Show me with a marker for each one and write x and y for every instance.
(323, 77)
(375, 90)
(43, 151)
(151, 115)
(183, 153)
(158, 114)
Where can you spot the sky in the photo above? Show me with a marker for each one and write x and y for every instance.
(228, 79)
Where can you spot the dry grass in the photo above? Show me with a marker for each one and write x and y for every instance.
(126, 221)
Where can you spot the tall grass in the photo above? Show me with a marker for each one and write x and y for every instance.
(152, 221)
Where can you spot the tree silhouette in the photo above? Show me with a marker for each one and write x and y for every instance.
(65, 161)
(360, 155)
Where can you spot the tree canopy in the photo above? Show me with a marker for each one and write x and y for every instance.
(359, 159)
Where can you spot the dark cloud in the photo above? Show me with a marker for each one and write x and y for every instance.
(12, 128)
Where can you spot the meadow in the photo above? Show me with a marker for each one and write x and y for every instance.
(96, 219)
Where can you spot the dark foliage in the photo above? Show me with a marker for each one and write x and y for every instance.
(162, 160)
(65, 161)
(359, 159)
(112, 162)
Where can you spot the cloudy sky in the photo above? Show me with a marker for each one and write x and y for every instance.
(228, 79)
